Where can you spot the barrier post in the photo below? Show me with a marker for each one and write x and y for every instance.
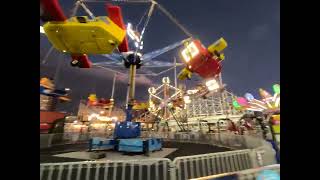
(256, 158)
(173, 170)
(260, 158)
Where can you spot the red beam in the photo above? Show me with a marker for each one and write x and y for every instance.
(52, 10)
(115, 14)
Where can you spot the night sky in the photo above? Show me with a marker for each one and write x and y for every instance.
(251, 28)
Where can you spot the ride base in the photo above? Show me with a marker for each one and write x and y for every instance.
(136, 145)
(126, 139)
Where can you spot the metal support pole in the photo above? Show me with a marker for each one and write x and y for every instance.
(132, 76)
(225, 106)
(80, 2)
(113, 85)
(175, 73)
(165, 100)
(173, 171)
(131, 88)
(44, 61)
(75, 9)
(112, 93)
(127, 96)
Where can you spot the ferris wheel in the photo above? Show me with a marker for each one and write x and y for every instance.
(167, 102)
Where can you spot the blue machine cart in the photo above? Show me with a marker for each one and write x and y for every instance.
(102, 144)
(145, 145)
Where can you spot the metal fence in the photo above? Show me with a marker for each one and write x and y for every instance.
(155, 169)
(249, 174)
(262, 151)
(249, 152)
(158, 169)
(215, 163)
(224, 139)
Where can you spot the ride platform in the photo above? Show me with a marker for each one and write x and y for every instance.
(136, 145)
(145, 145)
(98, 143)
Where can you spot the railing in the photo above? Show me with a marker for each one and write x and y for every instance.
(158, 169)
(249, 174)
(155, 169)
(215, 163)
(249, 152)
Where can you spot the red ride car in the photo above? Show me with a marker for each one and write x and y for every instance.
(206, 62)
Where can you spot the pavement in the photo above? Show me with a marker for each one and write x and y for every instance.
(114, 156)
(171, 150)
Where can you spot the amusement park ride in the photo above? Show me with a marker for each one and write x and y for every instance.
(203, 61)
(81, 36)
(268, 105)
(51, 121)
(105, 103)
(268, 109)
(166, 101)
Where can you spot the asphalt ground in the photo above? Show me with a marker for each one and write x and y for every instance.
(183, 149)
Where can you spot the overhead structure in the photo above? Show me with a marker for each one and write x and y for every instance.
(108, 36)
(107, 40)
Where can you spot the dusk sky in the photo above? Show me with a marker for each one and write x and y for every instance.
(251, 28)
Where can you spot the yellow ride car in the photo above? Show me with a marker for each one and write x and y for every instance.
(80, 35)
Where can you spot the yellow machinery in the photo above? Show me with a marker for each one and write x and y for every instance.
(184, 74)
(79, 35)
(140, 106)
(218, 47)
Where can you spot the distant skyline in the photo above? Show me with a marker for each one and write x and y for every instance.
(251, 28)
